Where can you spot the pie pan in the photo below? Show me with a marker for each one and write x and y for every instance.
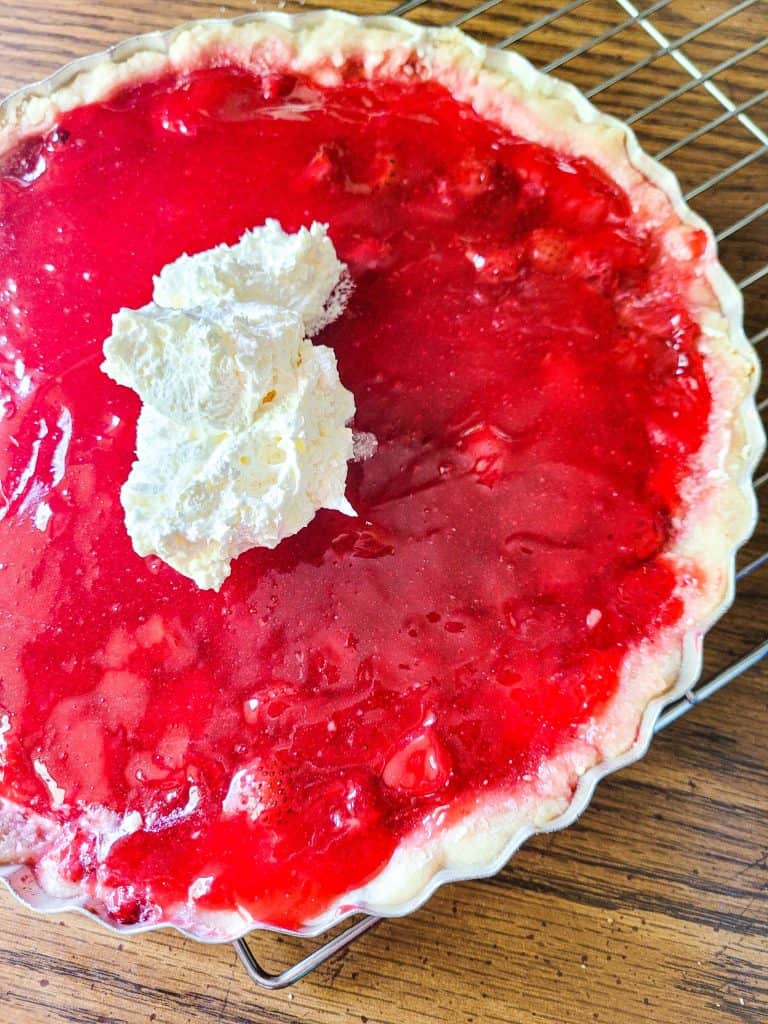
(478, 848)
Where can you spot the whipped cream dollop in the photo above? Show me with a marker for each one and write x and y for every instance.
(243, 433)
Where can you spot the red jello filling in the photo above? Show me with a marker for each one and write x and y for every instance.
(530, 372)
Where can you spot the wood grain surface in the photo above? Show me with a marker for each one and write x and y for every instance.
(654, 906)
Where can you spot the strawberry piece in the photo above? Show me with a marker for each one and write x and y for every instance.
(496, 265)
(24, 163)
(420, 767)
(118, 649)
(173, 115)
(474, 175)
(352, 804)
(364, 543)
(197, 103)
(151, 632)
(173, 746)
(697, 243)
(167, 641)
(609, 258)
(550, 250)
(122, 699)
(383, 172)
(78, 857)
(142, 768)
(369, 254)
(80, 766)
(487, 447)
(326, 164)
(269, 703)
(277, 84)
(252, 790)
(583, 203)
(124, 906)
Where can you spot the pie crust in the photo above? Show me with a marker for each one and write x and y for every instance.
(720, 504)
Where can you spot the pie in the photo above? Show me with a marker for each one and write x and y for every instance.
(550, 357)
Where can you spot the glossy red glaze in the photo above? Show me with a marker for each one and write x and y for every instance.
(531, 375)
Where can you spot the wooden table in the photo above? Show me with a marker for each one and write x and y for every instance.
(654, 906)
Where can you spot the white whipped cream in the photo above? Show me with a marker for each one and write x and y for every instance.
(243, 433)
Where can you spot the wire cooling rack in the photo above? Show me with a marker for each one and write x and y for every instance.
(674, 82)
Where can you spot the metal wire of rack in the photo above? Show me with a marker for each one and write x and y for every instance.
(749, 146)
